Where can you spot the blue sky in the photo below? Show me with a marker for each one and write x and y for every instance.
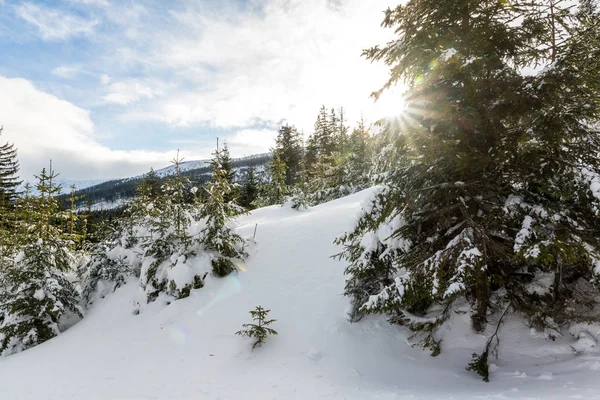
(109, 88)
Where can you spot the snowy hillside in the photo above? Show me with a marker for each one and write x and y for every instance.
(188, 351)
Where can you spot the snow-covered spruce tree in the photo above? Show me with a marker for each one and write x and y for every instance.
(115, 256)
(139, 211)
(169, 243)
(9, 169)
(37, 293)
(496, 201)
(104, 273)
(218, 236)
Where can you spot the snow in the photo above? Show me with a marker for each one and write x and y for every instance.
(524, 234)
(188, 350)
(39, 294)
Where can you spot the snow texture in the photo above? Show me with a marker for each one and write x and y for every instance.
(188, 351)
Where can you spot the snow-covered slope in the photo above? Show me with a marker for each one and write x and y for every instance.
(188, 351)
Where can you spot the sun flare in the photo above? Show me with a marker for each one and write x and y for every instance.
(391, 103)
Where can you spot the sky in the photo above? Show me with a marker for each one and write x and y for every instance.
(110, 88)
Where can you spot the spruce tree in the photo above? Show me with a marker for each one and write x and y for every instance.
(169, 242)
(260, 331)
(288, 147)
(310, 159)
(72, 219)
(359, 159)
(218, 236)
(227, 165)
(497, 185)
(250, 189)
(276, 190)
(37, 293)
(9, 168)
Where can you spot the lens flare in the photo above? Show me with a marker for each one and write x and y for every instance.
(391, 103)
(178, 334)
(242, 267)
(231, 285)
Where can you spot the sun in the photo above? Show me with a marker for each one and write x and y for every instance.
(391, 103)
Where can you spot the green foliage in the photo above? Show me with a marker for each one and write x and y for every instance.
(222, 266)
(9, 169)
(479, 365)
(289, 149)
(218, 236)
(36, 292)
(102, 269)
(167, 216)
(250, 189)
(490, 176)
(229, 174)
(260, 330)
(276, 190)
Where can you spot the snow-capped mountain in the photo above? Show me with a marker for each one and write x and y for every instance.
(111, 194)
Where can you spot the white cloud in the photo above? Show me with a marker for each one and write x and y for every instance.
(105, 79)
(247, 142)
(55, 24)
(281, 63)
(66, 71)
(43, 127)
(128, 92)
(205, 64)
(96, 3)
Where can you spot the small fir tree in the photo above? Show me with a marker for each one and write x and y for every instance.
(260, 330)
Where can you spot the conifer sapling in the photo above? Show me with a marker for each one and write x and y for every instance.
(260, 330)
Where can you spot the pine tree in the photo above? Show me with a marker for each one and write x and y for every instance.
(103, 274)
(169, 242)
(9, 168)
(250, 189)
(218, 236)
(71, 217)
(288, 147)
(37, 293)
(310, 159)
(327, 157)
(498, 182)
(277, 190)
(227, 165)
(261, 329)
(359, 159)
(152, 183)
